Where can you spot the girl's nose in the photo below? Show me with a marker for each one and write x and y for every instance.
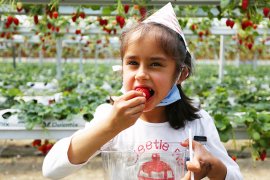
(141, 74)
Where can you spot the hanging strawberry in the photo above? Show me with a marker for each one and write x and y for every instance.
(263, 155)
(246, 23)
(16, 21)
(126, 8)
(36, 19)
(74, 17)
(55, 14)
(244, 4)
(120, 20)
(36, 142)
(194, 27)
(9, 20)
(82, 15)
(49, 25)
(249, 45)
(143, 12)
(266, 11)
(78, 31)
(230, 23)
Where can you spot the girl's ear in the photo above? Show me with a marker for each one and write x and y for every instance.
(183, 76)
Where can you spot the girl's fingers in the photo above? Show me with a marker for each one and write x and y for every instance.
(136, 109)
(194, 166)
(186, 143)
(135, 102)
(187, 176)
(131, 94)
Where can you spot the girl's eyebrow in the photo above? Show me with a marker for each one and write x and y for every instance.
(153, 58)
(157, 58)
(130, 57)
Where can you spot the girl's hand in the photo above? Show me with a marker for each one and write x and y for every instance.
(204, 163)
(127, 109)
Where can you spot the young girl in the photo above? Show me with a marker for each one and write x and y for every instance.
(152, 112)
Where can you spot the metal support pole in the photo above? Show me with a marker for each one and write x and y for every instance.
(237, 59)
(58, 58)
(13, 56)
(40, 53)
(255, 57)
(81, 57)
(96, 55)
(221, 58)
(20, 54)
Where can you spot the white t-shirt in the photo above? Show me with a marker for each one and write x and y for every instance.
(143, 138)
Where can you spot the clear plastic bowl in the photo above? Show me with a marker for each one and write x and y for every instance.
(129, 165)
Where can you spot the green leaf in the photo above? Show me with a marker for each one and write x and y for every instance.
(106, 11)
(6, 115)
(88, 116)
(224, 3)
(255, 135)
(95, 7)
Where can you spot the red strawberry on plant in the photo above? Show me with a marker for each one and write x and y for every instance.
(9, 20)
(42, 149)
(78, 31)
(36, 142)
(145, 91)
(201, 33)
(74, 17)
(48, 147)
(142, 11)
(121, 21)
(230, 23)
(266, 11)
(244, 4)
(57, 29)
(263, 155)
(49, 25)
(36, 19)
(249, 46)
(82, 15)
(3, 34)
(193, 27)
(16, 21)
(55, 14)
(126, 8)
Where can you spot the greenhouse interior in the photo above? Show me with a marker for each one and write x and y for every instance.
(61, 59)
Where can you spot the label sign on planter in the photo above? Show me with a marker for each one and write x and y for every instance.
(13, 121)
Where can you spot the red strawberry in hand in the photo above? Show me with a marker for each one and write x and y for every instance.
(145, 91)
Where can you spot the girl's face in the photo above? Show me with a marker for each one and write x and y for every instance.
(146, 65)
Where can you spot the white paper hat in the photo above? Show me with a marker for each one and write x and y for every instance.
(166, 16)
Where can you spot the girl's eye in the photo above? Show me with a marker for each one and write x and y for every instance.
(155, 64)
(132, 63)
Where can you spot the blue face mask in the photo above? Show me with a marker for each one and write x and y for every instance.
(173, 96)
